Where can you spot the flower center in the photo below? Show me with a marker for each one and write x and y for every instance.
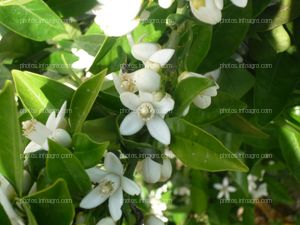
(106, 187)
(28, 126)
(198, 3)
(146, 111)
(128, 83)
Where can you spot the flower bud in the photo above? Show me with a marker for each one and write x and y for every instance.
(166, 170)
(106, 221)
(62, 137)
(147, 80)
(151, 171)
(165, 3)
(153, 220)
(27, 183)
(143, 51)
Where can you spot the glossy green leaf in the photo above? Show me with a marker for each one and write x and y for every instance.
(89, 43)
(223, 105)
(61, 163)
(11, 145)
(187, 90)
(200, 150)
(88, 151)
(52, 203)
(289, 139)
(274, 86)
(39, 94)
(227, 36)
(32, 19)
(83, 100)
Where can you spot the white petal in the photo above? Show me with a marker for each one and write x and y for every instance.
(61, 115)
(186, 111)
(146, 97)
(131, 124)
(95, 174)
(159, 130)
(209, 14)
(231, 189)
(62, 137)
(51, 121)
(113, 164)
(130, 187)
(227, 195)
(219, 4)
(153, 220)
(225, 182)
(117, 83)
(147, 80)
(220, 194)
(165, 105)
(36, 131)
(202, 102)
(118, 28)
(218, 186)
(165, 3)
(130, 100)
(115, 203)
(166, 170)
(93, 199)
(162, 57)
(240, 3)
(211, 91)
(143, 51)
(106, 221)
(32, 147)
(151, 171)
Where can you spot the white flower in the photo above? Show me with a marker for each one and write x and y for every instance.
(106, 221)
(149, 111)
(254, 190)
(154, 171)
(224, 189)
(111, 184)
(145, 80)
(153, 220)
(6, 193)
(207, 11)
(165, 3)
(152, 55)
(166, 170)
(117, 17)
(39, 133)
(85, 60)
(203, 100)
(240, 3)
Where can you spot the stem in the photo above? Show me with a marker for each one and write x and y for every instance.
(10, 212)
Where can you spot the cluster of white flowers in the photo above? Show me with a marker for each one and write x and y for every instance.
(257, 191)
(210, 11)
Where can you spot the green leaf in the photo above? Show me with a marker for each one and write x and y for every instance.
(32, 19)
(259, 7)
(71, 8)
(202, 36)
(11, 146)
(199, 150)
(269, 81)
(217, 111)
(61, 163)
(88, 151)
(52, 205)
(289, 139)
(89, 43)
(39, 94)
(4, 220)
(30, 217)
(279, 14)
(187, 90)
(227, 36)
(236, 81)
(83, 100)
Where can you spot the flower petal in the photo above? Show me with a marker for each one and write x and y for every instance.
(130, 100)
(218, 186)
(115, 203)
(165, 4)
(36, 131)
(106, 221)
(219, 4)
(208, 14)
(225, 182)
(147, 80)
(202, 102)
(211, 91)
(130, 187)
(117, 83)
(166, 170)
(162, 57)
(61, 115)
(165, 105)
(131, 124)
(32, 147)
(231, 189)
(51, 121)
(159, 130)
(93, 199)
(151, 170)
(95, 174)
(143, 51)
(113, 164)
(240, 3)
